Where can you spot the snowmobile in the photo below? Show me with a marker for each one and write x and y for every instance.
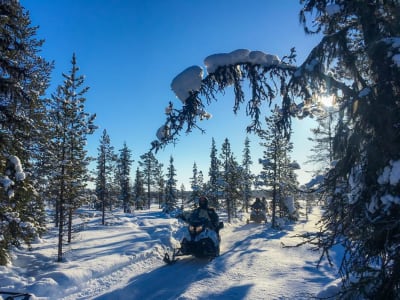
(199, 240)
(257, 215)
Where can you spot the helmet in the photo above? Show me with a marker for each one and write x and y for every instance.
(203, 202)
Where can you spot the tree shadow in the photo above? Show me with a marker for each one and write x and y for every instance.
(166, 282)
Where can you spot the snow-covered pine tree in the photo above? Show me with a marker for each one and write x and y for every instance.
(194, 185)
(149, 164)
(159, 183)
(213, 174)
(183, 196)
(276, 164)
(70, 161)
(24, 77)
(247, 175)
(171, 197)
(105, 167)
(138, 190)
(124, 164)
(322, 137)
(231, 176)
(357, 61)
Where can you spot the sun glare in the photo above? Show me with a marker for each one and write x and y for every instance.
(327, 100)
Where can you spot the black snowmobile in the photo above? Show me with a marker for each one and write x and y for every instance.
(199, 240)
(257, 215)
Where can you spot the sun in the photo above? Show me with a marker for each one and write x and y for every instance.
(327, 100)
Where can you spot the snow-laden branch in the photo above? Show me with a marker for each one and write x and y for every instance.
(266, 74)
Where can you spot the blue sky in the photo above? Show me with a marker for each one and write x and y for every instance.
(130, 51)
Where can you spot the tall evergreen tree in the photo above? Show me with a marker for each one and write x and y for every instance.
(149, 165)
(159, 183)
(24, 78)
(194, 184)
(214, 175)
(171, 199)
(124, 165)
(231, 177)
(247, 175)
(70, 161)
(276, 163)
(357, 61)
(322, 137)
(139, 193)
(105, 169)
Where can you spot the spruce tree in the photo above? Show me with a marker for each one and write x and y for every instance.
(71, 125)
(149, 164)
(247, 175)
(159, 182)
(213, 174)
(195, 186)
(24, 77)
(105, 169)
(277, 172)
(357, 61)
(124, 164)
(139, 193)
(171, 199)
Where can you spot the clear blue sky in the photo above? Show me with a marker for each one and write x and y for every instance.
(131, 50)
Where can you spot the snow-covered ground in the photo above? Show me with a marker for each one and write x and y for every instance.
(123, 260)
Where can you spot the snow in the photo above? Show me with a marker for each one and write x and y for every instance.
(187, 81)
(123, 260)
(240, 56)
(390, 174)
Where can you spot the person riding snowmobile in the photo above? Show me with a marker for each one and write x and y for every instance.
(258, 205)
(206, 212)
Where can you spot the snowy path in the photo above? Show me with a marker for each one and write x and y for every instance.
(123, 260)
(253, 265)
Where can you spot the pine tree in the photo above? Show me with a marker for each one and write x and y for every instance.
(194, 184)
(70, 161)
(171, 199)
(159, 183)
(231, 177)
(149, 164)
(124, 165)
(213, 173)
(357, 61)
(322, 137)
(277, 172)
(138, 190)
(247, 175)
(105, 169)
(24, 78)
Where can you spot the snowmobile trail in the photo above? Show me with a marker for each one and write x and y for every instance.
(252, 265)
(164, 282)
(124, 260)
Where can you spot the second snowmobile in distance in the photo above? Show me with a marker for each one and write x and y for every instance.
(257, 215)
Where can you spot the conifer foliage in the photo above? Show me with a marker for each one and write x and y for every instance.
(357, 61)
(71, 125)
(24, 77)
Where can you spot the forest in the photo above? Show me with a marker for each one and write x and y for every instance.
(44, 161)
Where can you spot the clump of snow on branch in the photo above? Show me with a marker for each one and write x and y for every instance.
(186, 82)
(390, 174)
(240, 56)
(14, 170)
